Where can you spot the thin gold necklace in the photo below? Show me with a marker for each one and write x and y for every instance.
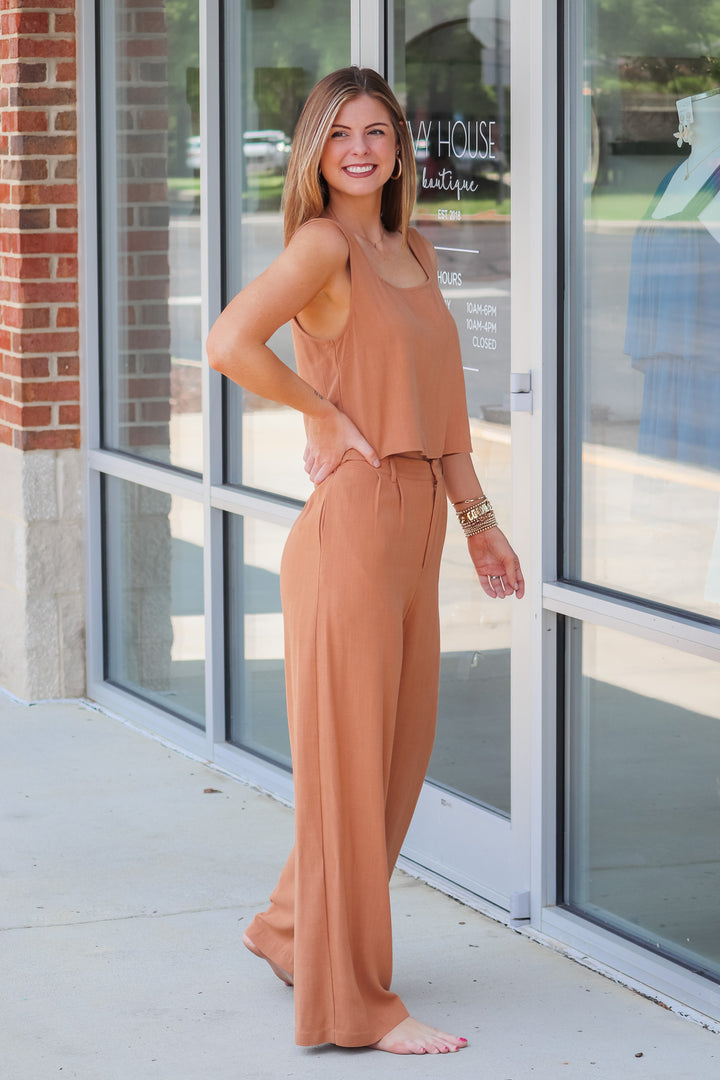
(374, 243)
(688, 170)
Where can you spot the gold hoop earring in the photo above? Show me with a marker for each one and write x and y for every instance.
(399, 172)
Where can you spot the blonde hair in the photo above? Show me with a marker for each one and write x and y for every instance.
(306, 194)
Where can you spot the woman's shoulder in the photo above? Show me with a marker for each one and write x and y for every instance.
(321, 236)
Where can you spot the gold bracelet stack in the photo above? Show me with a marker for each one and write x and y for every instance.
(478, 517)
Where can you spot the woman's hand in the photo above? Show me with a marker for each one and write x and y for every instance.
(328, 438)
(497, 565)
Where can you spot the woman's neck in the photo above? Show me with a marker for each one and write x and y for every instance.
(358, 215)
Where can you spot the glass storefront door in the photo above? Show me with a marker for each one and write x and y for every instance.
(451, 70)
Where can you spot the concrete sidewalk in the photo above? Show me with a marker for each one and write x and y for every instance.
(125, 888)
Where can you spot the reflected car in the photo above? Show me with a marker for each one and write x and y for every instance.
(264, 151)
(192, 152)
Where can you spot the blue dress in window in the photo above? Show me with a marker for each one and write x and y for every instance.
(673, 330)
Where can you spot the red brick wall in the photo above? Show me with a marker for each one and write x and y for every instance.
(39, 364)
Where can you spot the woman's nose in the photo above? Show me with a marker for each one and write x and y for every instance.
(360, 145)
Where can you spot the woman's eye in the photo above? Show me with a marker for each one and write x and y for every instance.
(337, 135)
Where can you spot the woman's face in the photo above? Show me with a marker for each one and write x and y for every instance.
(359, 154)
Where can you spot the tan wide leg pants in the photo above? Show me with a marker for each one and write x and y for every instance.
(359, 582)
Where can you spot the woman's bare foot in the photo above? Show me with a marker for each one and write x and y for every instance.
(412, 1037)
(281, 973)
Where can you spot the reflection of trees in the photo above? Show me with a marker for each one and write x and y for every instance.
(289, 46)
(657, 28)
(183, 57)
(645, 54)
(444, 81)
(444, 74)
(654, 47)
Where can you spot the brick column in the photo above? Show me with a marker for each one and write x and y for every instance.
(39, 388)
(41, 517)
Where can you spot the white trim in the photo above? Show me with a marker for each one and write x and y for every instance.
(111, 302)
(534, 450)
(263, 507)
(150, 719)
(88, 225)
(545, 538)
(210, 287)
(662, 981)
(89, 332)
(634, 966)
(256, 771)
(355, 6)
(458, 892)
(486, 839)
(633, 617)
(182, 737)
(148, 474)
(367, 19)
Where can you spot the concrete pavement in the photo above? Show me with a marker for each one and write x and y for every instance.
(125, 888)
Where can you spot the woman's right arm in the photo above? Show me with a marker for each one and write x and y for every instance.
(304, 276)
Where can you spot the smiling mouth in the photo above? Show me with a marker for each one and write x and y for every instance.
(359, 170)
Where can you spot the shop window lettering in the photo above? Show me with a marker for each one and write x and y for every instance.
(461, 140)
(458, 139)
(447, 181)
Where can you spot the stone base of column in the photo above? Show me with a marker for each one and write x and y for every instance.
(42, 574)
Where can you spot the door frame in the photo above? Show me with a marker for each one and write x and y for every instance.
(511, 864)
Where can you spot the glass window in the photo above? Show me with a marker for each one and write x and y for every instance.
(154, 607)
(150, 167)
(257, 712)
(643, 321)
(277, 64)
(471, 754)
(643, 851)
(451, 72)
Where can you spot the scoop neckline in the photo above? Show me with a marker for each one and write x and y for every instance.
(400, 288)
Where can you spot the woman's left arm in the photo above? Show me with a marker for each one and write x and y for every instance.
(497, 565)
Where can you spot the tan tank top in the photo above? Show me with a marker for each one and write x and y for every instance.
(396, 368)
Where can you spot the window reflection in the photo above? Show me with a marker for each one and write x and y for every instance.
(265, 92)
(154, 597)
(257, 713)
(451, 71)
(644, 322)
(150, 112)
(644, 848)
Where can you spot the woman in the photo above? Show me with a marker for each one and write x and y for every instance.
(381, 388)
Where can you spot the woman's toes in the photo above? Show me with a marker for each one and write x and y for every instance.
(412, 1037)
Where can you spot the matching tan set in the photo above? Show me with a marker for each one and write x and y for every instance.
(359, 582)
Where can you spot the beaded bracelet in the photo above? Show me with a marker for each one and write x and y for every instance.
(477, 518)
